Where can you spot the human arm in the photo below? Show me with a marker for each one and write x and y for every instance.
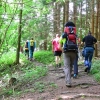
(83, 42)
(94, 40)
(61, 42)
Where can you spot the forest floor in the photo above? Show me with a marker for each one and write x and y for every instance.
(84, 87)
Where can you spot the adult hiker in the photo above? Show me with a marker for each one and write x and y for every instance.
(57, 52)
(69, 48)
(26, 49)
(76, 60)
(31, 47)
(88, 42)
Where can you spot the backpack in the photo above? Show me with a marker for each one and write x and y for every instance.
(31, 42)
(70, 35)
(26, 45)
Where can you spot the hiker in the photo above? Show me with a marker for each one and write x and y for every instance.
(31, 47)
(57, 52)
(26, 49)
(69, 48)
(75, 65)
(88, 42)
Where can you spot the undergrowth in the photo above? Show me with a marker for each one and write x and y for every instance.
(26, 72)
(95, 70)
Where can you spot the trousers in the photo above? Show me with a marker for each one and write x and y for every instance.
(69, 58)
(76, 65)
(88, 52)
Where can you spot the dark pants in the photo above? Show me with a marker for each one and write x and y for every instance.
(88, 51)
(31, 52)
(58, 53)
(76, 65)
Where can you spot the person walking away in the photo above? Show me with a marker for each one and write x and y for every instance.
(75, 67)
(57, 52)
(31, 49)
(76, 60)
(69, 48)
(88, 42)
(26, 49)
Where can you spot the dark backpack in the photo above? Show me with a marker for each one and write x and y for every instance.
(70, 35)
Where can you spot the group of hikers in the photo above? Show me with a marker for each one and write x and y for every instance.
(68, 44)
(29, 49)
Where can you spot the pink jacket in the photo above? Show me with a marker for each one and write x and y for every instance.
(55, 44)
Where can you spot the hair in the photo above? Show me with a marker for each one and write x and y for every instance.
(31, 38)
(89, 33)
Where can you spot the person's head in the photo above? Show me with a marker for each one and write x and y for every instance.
(57, 35)
(31, 38)
(89, 33)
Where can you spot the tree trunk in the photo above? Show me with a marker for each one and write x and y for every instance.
(19, 37)
(96, 28)
(92, 17)
(75, 12)
(58, 18)
(66, 10)
(55, 18)
(81, 20)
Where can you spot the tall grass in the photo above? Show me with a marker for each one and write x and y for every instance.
(45, 57)
(95, 70)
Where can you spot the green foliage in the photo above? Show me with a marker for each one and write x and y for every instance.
(8, 58)
(29, 73)
(40, 86)
(35, 73)
(52, 84)
(95, 70)
(7, 61)
(45, 57)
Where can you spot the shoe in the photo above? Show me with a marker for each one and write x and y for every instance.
(86, 69)
(68, 84)
(75, 76)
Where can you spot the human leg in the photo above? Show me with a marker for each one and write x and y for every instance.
(57, 55)
(30, 55)
(67, 68)
(90, 58)
(56, 58)
(60, 58)
(68, 64)
(76, 67)
(86, 55)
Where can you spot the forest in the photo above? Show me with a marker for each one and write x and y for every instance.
(20, 20)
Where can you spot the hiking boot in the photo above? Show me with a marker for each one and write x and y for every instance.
(86, 69)
(68, 84)
(75, 76)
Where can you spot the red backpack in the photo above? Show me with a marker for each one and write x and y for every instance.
(70, 35)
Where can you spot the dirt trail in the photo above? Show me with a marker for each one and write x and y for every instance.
(83, 88)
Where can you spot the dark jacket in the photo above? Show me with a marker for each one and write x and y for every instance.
(89, 40)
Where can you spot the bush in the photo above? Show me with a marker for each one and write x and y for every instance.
(95, 70)
(45, 57)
